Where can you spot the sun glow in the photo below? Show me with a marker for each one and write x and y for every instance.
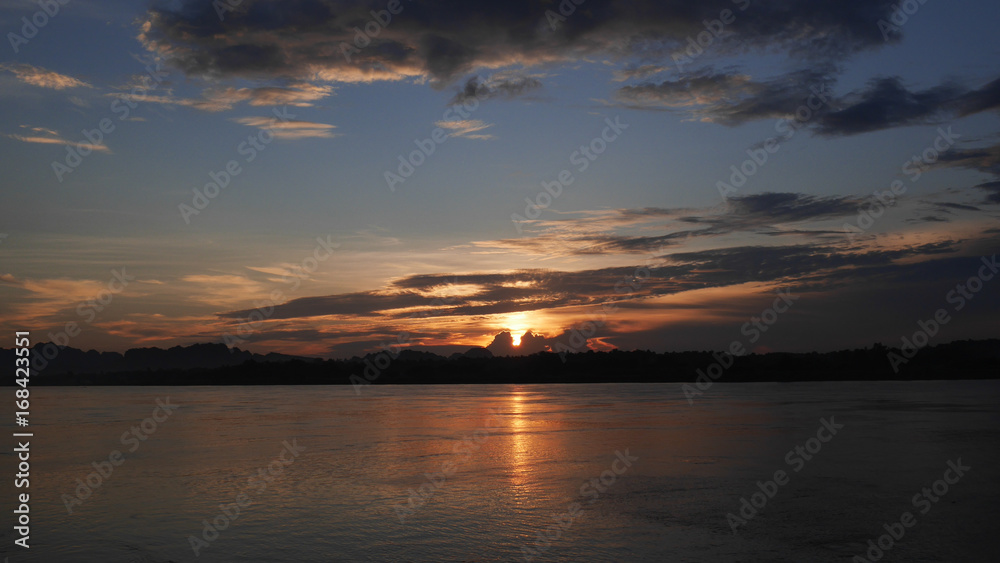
(518, 324)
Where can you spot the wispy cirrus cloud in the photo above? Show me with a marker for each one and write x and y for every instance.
(467, 128)
(651, 229)
(43, 78)
(290, 130)
(638, 72)
(298, 94)
(45, 136)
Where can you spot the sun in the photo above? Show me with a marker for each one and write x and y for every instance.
(518, 324)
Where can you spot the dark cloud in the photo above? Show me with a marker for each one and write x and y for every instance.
(790, 207)
(887, 103)
(501, 85)
(983, 99)
(928, 219)
(361, 303)
(441, 40)
(993, 189)
(532, 290)
(732, 98)
(877, 303)
(554, 243)
(503, 344)
(983, 159)
(958, 206)
(765, 214)
(728, 266)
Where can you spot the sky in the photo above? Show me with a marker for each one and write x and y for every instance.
(331, 178)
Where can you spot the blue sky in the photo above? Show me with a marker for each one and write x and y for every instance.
(540, 94)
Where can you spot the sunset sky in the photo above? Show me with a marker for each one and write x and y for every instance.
(341, 248)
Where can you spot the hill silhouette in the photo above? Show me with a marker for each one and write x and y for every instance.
(215, 364)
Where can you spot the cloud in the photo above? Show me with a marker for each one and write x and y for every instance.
(465, 128)
(994, 191)
(503, 344)
(983, 159)
(290, 129)
(47, 299)
(611, 232)
(527, 290)
(983, 99)
(886, 103)
(225, 290)
(44, 136)
(769, 209)
(444, 39)
(637, 72)
(221, 99)
(733, 98)
(306, 46)
(42, 78)
(297, 95)
(698, 89)
(500, 85)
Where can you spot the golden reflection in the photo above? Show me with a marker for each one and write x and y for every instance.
(522, 453)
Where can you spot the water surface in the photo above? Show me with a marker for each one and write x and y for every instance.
(516, 458)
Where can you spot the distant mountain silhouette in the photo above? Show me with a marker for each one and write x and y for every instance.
(214, 364)
(195, 356)
(477, 352)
